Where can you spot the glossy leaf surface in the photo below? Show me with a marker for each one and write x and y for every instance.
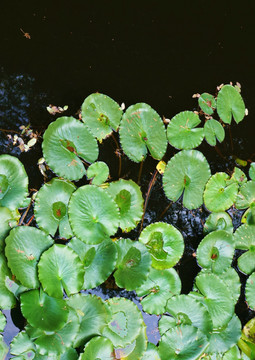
(213, 131)
(230, 103)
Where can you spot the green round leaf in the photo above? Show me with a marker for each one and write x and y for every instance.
(51, 204)
(65, 142)
(93, 316)
(216, 251)
(142, 129)
(22, 345)
(246, 195)
(101, 114)
(8, 220)
(232, 281)
(93, 214)
(151, 353)
(129, 198)
(232, 354)
(187, 172)
(125, 323)
(218, 221)
(160, 286)
(7, 299)
(244, 237)
(134, 350)
(98, 173)
(43, 311)
(182, 132)
(230, 103)
(98, 348)
(213, 131)
(133, 264)
(238, 176)
(207, 103)
(60, 269)
(184, 342)
(218, 194)
(13, 182)
(165, 244)
(24, 246)
(252, 171)
(2, 321)
(246, 262)
(250, 291)
(165, 323)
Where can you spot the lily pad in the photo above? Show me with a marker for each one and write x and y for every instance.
(165, 244)
(244, 238)
(246, 195)
(93, 316)
(218, 194)
(232, 354)
(65, 143)
(98, 173)
(125, 323)
(13, 182)
(93, 214)
(182, 132)
(184, 342)
(237, 176)
(232, 281)
(101, 114)
(43, 311)
(250, 291)
(7, 299)
(252, 171)
(98, 348)
(159, 287)
(3, 348)
(230, 103)
(133, 264)
(60, 269)
(99, 260)
(218, 221)
(9, 219)
(207, 103)
(134, 350)
(51, 205)
(22, 345)
(151, 353)
(24, 246)
(187, 172)
(216, 251)
(213, 130)
(2, 321)
(142, 130)
(129, 198)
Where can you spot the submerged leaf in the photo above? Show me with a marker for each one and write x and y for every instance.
(230, 103)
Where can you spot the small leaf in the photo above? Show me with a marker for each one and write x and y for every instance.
(252, 171)
(213, 131)
(230, 103)
(207, 103)
(98, 173)
(98, 348)
(218, 221)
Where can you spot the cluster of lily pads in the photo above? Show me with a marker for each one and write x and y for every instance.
(75, 244)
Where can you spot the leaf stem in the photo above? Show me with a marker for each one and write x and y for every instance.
(140, 172)
(118, 153)
(25, 213)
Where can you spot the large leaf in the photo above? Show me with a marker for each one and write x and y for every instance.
(165, 244)
(230, 103)
(160, 286)
(24, 246)
(182, 132)
(207, 103)
(9, 219)
(43, 311)
(218, 221)
(187, 172)
(51, 204)
(213, 130)
(101, 114)
(128, 196)
(142, 129)
(7, 299)
(93, 214)
(13, 182)
(65, 142)
(60, 269)
(98, 348)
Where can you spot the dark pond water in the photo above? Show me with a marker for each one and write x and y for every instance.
(146, 51)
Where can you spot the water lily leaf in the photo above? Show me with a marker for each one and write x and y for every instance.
(230, 103)
(159, 287)
(133, 264)
(8, 221)
(232, 281)
(187, 172)
(129, 198)
(142, 129)
(232, 354)
(13, 182)
(98, 172)
(165, 244)
(65, 142)
(246, 262)
(7, 299)
(184, 342)
(93, 316)
(125, 323)
(43, 311)
(22, 345)
(136, 349)
(98, 348)
(51, 204)
(99, 260)
(246, 195)
(15, 287)
(237, 176)
(216, 251)
(213, 130)
(188, 311)
(244, 237)
(93, 214)
(216, 298)
(207, 103)
(252, 171)
(2, 321)
(54, 343)
(218, 194)
(101, 114)
(250, 291)
(218, 221)
(165, 323)
(249, 215)
(24, 246)
(151, 353)
(3, 348)
(182, 132)
(223, 339)
(60, 268)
